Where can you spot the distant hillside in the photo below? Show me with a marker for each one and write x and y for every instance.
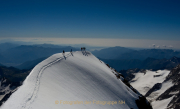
(1, 64)
(122, 53)
(152, 53)
(2, 58)
(112, 52)
(48, 45)
(5, 46)
(30, 64)
(24, 53)
(149, 63)
(13, 74)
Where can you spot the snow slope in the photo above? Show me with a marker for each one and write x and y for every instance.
(163, 104)
(145, 81)
(60, 80)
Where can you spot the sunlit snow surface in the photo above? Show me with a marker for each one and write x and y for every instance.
(78, 76)
(145, 81)
(163, 104)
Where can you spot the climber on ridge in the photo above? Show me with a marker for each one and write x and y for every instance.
(63, 52)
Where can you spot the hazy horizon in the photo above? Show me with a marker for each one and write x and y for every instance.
(90, 47)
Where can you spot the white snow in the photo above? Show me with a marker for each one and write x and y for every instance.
(163, 104)
(173, 93)
(143, 82)
(75, 78)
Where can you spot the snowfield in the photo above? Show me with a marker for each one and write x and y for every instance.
(74, 81)
(163, 104)
(145, 81)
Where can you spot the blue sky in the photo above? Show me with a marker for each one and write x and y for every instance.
(103, 19)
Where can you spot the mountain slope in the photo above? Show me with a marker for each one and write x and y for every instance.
(5, 46)
(24, 53)
(1, 64)
(30, 64)
(152, 53)
(74, 77)
(112, 52)
(148, 63)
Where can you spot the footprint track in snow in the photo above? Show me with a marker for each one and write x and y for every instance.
(32, 97)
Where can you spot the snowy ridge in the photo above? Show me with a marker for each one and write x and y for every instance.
(34, 94)
(79, 76)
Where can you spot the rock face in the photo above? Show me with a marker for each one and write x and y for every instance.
(148, 63)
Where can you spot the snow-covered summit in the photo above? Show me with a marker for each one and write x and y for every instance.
(77, 80)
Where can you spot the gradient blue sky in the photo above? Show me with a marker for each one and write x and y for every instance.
(103, 19)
